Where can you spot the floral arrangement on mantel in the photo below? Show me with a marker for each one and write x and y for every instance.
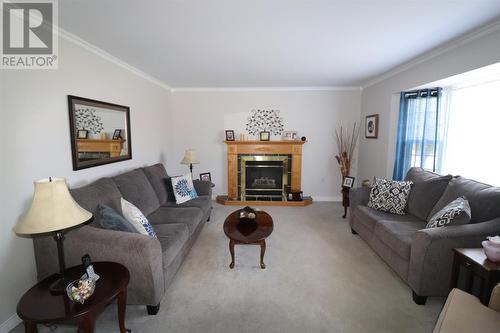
(346, 144)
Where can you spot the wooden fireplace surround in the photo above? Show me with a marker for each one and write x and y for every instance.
(235, 148)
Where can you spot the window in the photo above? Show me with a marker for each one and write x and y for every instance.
(473, 136)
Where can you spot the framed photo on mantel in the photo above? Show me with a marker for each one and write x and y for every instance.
(371, 126)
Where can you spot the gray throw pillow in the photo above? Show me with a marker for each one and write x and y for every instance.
(389, 195)
(425, 194)
(455, 213)
(108, 218)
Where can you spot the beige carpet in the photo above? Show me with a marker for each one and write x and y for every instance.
(319, 278)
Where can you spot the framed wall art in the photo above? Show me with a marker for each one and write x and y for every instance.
(371, 126)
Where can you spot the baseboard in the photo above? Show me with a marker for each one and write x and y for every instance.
(333, 199)
(10, 323)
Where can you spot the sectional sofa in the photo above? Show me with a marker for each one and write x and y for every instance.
(152, 262)
(423, 257)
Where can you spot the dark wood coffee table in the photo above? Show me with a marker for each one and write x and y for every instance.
(248, 233)
(39, 306)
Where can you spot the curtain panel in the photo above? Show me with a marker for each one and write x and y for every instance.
(420, 132)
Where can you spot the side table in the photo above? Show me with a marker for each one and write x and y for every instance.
(476, 263)
(38, 305)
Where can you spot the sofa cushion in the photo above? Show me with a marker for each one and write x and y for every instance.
(455, 213)
(190, 216)
(397, 235)
(103, 191)
(368, 217)
(172, 238)
(389, 195)
(156, 175)
(109, 219)
(483, 199)
(135, 188)
(203, 202)
(425, 192)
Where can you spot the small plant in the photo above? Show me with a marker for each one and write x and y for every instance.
(346, 144)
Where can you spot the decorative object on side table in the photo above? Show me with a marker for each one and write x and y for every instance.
(206, 177)
(53, 210)
(346, 144)
(229, 135)
(247, 215)
(371, 126)
(190, 158)
(491, 248)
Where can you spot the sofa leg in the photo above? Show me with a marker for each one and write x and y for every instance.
(353, 231)
(208, 219)
(153, 309)
(420, 300)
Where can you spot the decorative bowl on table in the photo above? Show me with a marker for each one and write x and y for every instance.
(247, 215)
(492, 248)
(80, 290)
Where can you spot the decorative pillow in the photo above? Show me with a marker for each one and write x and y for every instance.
(108, 218)
(183, 188)
(137, 218)
(455, 213)
(389, 195)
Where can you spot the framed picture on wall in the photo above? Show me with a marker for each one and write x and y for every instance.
(229, 135)
(371, 126)
(206, 177)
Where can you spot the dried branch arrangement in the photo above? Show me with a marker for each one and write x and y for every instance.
(346, 144)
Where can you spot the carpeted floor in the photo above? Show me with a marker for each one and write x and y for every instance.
(319, 278)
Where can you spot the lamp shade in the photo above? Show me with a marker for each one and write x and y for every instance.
(190, 157)
(52, 209)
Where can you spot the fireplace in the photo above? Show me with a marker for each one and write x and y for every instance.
(263, 177)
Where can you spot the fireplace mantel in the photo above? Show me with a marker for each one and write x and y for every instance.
(283, 147)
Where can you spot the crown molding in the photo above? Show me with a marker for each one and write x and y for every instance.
(105, 55)
(245, 89)
(448, 46)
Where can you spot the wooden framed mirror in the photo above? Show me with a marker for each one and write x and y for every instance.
(100, 132)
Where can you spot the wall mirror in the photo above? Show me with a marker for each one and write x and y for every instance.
(100, 132)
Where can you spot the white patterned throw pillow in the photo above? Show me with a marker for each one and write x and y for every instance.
(390, 195)
(455, 213)
(137, 218)
(183, 188)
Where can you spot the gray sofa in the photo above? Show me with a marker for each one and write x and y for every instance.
(152, 262)
(423, 257)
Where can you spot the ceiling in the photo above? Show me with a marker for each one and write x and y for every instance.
(270, 43)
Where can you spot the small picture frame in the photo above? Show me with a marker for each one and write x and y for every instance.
(117, 134)
(290, 135)
(82, 134)
(206, 177)
(229, 135)
(265, 136)
(371, 126)
(348, 182)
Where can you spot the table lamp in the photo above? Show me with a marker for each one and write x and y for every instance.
(53, 210)
(190, 158)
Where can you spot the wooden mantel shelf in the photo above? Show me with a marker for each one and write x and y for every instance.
(254, 147)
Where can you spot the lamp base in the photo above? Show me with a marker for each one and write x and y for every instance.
(58, 287)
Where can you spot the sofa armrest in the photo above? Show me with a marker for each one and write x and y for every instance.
(141, 254)
(359, 196)
(495, 299)
(432, 256)
(203, 187)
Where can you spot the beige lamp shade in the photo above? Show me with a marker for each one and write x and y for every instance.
(53, 208)
(190, 157)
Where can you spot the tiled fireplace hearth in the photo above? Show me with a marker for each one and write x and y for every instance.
(263, 172)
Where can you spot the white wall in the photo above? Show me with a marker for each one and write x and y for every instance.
(200, 118)
(35, 143)
(476, 50)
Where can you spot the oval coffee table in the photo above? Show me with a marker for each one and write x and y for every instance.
(39, 306)
(248, 233)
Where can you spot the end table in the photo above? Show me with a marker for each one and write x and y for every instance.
(476, 263)
(39, 306)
